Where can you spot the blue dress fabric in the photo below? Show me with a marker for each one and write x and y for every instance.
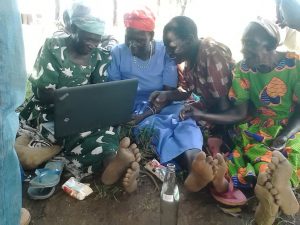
(171, 136)
(12, 93)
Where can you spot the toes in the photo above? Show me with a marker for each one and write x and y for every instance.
(262, 179)
(278, 155)
(220, 158)
(275, 161)
(272, 166)
(125, 142)
(209, 159)
(268, 185)
(138, 157)
(201, 156)
(274, 192)
(133, 147)
(128, 172)
(215, 162)
(134, 150)
(134, 166)
(277, 197)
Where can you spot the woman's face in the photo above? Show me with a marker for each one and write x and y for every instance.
(85, 42)
(175, 47)
(254, 45)
(138, 41)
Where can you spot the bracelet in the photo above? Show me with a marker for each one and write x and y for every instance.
(153, 110)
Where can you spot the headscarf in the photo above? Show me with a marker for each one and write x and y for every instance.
(140, 19)
(81, 16)
(270, 27)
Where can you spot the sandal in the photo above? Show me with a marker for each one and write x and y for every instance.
(216, 145)
(48, 176)
(43, 185)
(233, 197)
(40, 193)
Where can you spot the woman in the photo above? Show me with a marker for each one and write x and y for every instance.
(74, 61)
(266, 83)
(205, 70)
(143, 58)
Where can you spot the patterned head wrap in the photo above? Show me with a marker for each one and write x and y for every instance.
(141, 19)
(270, 27)
(81, 16)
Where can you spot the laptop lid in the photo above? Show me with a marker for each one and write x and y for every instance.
(89, 107)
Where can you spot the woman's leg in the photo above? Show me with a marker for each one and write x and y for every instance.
(101, 151)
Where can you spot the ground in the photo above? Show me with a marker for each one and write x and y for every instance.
(140, 208)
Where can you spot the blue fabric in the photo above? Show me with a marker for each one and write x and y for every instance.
(12, 91)
(171, 136)
(160, 71)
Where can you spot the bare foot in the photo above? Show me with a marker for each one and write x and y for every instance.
(267, 209)
(201, 173)
(279, 173)
(117, 167)
(130, 178)
(220, 184)
(136, 152)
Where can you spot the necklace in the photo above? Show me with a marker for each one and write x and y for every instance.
(145, 65)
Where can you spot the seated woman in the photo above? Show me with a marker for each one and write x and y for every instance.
(73, 61)
(143, 58)
(207, 73)
(267, 146)
(80, 8)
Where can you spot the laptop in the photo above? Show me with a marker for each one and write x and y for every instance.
(89, 107)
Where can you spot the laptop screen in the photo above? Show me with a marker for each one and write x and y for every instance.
(95, 106)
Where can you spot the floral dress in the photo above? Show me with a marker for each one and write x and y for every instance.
(274, 96)
(53, 69)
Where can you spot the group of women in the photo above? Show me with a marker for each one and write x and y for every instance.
(259, 96)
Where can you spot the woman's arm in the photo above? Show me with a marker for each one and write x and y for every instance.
(292, 128)
(234, 115)
(162, 98)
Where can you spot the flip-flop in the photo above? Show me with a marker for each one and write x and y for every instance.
(48, 176)
(233, 197)
(40, 193)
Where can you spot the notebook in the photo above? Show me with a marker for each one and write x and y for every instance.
(89, 107)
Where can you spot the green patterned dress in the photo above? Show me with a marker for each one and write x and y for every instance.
(274, 96)
(53, 69)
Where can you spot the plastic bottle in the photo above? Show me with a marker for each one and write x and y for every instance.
(169, 198)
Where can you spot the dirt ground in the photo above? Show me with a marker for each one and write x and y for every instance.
(140, 208)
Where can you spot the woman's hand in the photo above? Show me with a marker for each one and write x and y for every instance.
(279, 143)
(186, 112)
(136, 119)
(190, 111)
(159, 99)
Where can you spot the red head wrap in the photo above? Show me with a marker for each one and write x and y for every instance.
(141, 19)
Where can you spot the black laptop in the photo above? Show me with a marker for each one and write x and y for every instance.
(89, 107)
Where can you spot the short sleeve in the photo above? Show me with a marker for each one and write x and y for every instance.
(113, 70)
(45, 73)
(170, 75)
(239, 91)
(219, 73)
